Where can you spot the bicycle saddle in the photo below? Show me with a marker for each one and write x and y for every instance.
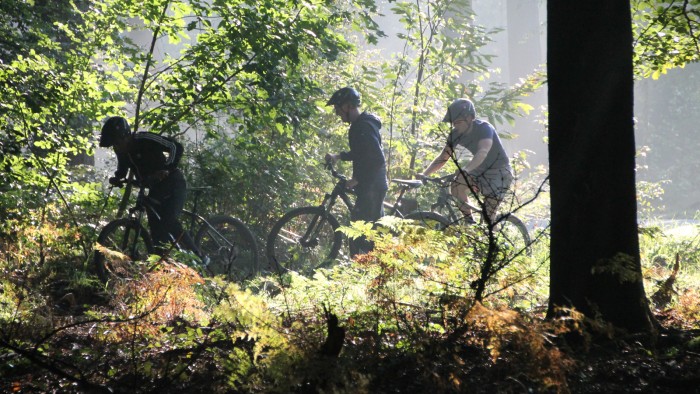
(199, 188)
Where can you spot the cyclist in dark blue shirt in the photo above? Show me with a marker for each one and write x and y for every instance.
(153, 159)
(368, 163)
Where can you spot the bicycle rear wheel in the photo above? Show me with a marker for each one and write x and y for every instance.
(429, 219)
(131, 240)
(513, 236)
(230, 247)
(304, 239)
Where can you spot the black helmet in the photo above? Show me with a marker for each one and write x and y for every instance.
(459, 108)
(114, 128)
(345, 95)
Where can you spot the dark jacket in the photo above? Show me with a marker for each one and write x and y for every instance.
(146, 154)
(366, 154)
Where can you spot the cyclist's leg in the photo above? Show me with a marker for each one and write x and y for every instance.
(170, 195)
(369, 207)
(461, 190)
(494, 184)
(159, 233)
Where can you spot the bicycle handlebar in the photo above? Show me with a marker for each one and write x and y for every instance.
(442, 181)
(124, 182)
(329, 166)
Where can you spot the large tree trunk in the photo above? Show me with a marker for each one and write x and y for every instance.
(595, 263)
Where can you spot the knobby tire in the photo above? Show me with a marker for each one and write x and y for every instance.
(520, 238)
(230, 247)
(120, 236)
(288, 250)
(517, 235)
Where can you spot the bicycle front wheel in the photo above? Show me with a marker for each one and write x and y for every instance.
(513, 235)
(304, 239)
(230, 248)
(133, 244)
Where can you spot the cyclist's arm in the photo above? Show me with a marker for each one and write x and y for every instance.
(439, 161)
(122, 166)
(483, 148)
(167, 145)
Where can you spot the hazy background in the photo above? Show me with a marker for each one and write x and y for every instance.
(665, 109)
(666, 113)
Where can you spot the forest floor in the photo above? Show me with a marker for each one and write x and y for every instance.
(614, 367)
(631, 365)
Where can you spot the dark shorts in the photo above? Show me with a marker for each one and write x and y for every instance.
(369, 205)
(168, 197)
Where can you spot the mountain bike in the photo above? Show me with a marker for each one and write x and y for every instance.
(506, 228)
(227, 246)
(306, 238)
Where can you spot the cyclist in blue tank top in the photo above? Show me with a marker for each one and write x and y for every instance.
(488, 173)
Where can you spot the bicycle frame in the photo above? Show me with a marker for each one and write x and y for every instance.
(447, 201)
(446, 204)
(193, 217)
(136, 214)
(142, 204)
(395, 208)
(223, 244)
(444, 199)
(339, 190)
(329, 200)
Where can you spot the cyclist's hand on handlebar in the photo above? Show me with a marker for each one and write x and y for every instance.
(331, 158)
(115, 181)
(350, 183)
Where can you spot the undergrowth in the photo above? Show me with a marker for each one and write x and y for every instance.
(408, 311)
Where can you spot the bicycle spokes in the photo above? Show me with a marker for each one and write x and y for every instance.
(125, 244)
(227, 250)
(304, 240)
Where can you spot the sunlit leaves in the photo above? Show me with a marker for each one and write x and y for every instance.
(442, 58)
(667, 35)
(51, 90)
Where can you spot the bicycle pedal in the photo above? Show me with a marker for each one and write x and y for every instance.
(205, 261)
(469, 220)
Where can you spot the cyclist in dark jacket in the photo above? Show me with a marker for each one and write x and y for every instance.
(153, 159)
(368, 163)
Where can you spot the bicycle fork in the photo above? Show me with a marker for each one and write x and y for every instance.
(132, 246)
(310, 237)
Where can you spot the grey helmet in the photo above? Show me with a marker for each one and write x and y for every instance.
(345, 95)
(458, 109)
